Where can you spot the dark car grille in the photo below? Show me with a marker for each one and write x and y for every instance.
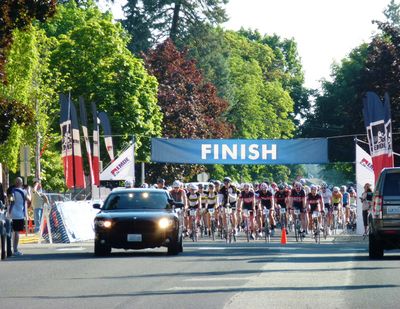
(135, 226)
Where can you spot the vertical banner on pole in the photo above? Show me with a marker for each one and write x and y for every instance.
(378, 124)
(66, 134)
(77, 151)
(96, 147)
(364, 174)
(105, 124)
(86, 136)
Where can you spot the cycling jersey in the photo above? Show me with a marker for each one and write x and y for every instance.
(326, 196)
(280, 198)
(313, 201)
(336, 198)
(229, 195)
(346, 196)
(211, 199)
(298, 198)
(265, 198)
(193, 199)
(177, 195)
(203, 196)
(248, 199)
(353, 200)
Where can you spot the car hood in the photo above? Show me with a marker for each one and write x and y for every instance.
(138, 213)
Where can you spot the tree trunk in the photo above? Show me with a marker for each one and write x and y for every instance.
(174, 27)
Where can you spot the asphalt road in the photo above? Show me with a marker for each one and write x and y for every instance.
(335, 274)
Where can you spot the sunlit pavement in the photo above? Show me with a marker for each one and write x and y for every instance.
(209, 274)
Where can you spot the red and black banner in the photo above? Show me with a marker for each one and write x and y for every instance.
(96, 146)
(86, 135)
(378, 123)
(71, 147)
(105, 124)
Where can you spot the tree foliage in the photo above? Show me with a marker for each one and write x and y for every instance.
(190, 105)
(93, 61)
(151, 22)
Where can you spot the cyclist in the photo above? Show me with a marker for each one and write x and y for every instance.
(298, 201)
(282, 200)
(194, 203)
(129, 183)
(345, 203)
(336, 200)
(315, 202)
(211, 199)
(228, 196)
(353, 206)
(326, 194)
(305, 187)
(266, 199)
(247, 201)
(178, 194)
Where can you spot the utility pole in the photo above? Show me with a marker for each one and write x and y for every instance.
(38, 138)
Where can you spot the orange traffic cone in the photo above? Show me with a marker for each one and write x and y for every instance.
(283, 237)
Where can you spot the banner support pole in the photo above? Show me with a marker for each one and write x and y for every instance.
(133, 156)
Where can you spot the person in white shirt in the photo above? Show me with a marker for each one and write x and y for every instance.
(18, 212)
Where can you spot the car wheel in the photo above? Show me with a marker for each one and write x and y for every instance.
(101, 249)
(9, 249)
(181, 245)
(175, 248)
(375, 248)
(3, 247)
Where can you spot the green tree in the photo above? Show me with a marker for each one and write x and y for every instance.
(392, 13)
(190, 105)
(151, 22)
(93, 61)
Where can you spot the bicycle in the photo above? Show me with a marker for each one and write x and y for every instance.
(229, 230)
(298, 234)
(324, 225)
(352, 225)
(247, 225)
(267, 229)
(193, 223)
(335, 221)
(316, 227)
(212, 228)
(283, 218)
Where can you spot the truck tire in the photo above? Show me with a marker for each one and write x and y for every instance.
(375, 248)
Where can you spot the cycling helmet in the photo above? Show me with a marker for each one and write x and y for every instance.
(144, 185)
(298, 184)
(335, 189)
(200, 186)
(263, 186)
(227, 179)
(313, 187)
(281, 187)
(246, 185)
(324, 185)
(217, 183)
(351, 190)
(211, 185)
(192, 186)
(176, 184)
(303, 181)
(129, 183)
(343, 188)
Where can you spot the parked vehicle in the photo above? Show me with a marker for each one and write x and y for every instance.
(138, 219)
(384, 218)
(5, 233)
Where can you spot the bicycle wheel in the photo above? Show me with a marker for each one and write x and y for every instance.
(296, 231)
(213, 230)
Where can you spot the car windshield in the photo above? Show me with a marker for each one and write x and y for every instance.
(392, 185)
(136, 200)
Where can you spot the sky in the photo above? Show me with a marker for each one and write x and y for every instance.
(325, 30)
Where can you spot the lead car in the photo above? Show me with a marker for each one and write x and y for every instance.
(138, 219)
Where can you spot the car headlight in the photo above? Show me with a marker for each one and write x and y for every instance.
(104, 223)
(165, 223)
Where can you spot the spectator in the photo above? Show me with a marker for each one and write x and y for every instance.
(18, 212)
(38, 201)
(161, 184)
(366, 199)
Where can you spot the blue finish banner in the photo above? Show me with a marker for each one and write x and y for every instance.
(240, 151)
